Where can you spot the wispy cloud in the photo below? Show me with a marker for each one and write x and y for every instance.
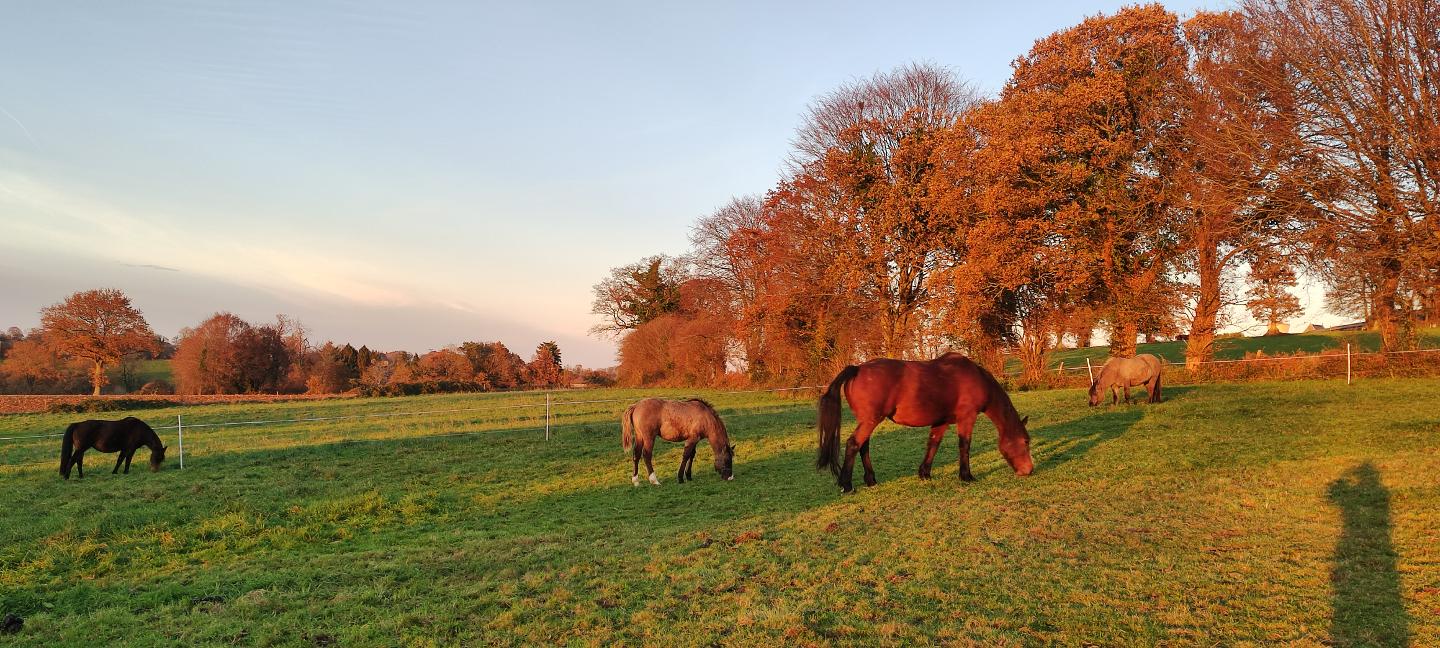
(21, 124)
(46, 216)
(151, 266)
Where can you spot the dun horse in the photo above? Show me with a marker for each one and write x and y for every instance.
(124, 436)
(935, 394)
(1124, 373)
(675, 421)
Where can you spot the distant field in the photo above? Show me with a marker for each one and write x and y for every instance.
(1236, 348)
(149, 370)
(1261, 513)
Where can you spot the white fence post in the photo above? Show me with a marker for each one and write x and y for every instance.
(1089, 370)
(547, 416)
(180, 433)
(1347, 363)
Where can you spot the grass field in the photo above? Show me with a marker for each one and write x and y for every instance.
(1262, 513)
(1234, 348)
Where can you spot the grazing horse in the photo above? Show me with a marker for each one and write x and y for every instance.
(124, 436)
(934, 394)
(675, 421)
(1124, 373)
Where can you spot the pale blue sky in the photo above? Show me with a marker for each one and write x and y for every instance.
(409, 175)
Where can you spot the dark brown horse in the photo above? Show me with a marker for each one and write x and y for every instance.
(676, 421)
(124, 436)
(934, 394)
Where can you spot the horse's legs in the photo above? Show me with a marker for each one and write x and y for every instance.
(80, 462)
(965, 428)
(128, 456)
(119, 459)
(865, 459)
(852, 446)
(649, 466)
(687, 459)
(635, 456)
(1127, 394)
(936, 434)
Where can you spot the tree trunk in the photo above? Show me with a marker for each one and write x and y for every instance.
(97, 377)
(1392, 323)
(1122, 338)
(1201, 345)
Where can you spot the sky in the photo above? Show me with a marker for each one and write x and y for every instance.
(414, 175)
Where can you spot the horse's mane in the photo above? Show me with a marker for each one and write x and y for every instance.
(706, 404)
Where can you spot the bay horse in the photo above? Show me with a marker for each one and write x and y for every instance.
(1124, 373)
(675, 421)
(935, 394)
(124, 436)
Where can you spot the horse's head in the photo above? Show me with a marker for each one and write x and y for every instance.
(725, 463)
(1094, 393)
(1015, 447)
(156, 456)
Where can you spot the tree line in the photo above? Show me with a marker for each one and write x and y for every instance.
(83, 338)
(1132, 170)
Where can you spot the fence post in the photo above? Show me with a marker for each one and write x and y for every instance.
(180, 433)
(1089, 370)
(1060, 371)
(547, 416)
(1347, 363)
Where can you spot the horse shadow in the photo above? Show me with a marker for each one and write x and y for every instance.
(1368, 608)
(1057, 444)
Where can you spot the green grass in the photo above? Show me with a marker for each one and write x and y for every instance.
(1259, 513)
(1236, 348)
(146, 371)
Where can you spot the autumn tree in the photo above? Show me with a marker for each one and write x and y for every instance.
(1269, 298)
(725, 251)
(443, 366)
(545, 368)
(207, 358)
(98, 327)
(1056, 195)
(227, 355)
(691, 346)
(1098, 108)
(1366, 85)
(868, 145)
(1237, 162)
(637, 293)
(32, 366)
(502, 368)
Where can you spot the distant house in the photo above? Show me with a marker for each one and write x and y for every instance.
(1354, 326)
(1310, 328)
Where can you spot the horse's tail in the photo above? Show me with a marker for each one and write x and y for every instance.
(67, 446)
(627, 424)
(1155, 393)
(827, 453)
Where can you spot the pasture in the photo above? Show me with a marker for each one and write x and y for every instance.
(1305, 513)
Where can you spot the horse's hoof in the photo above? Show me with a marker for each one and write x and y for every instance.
(654, 480)
(967, 478)
(635, 480)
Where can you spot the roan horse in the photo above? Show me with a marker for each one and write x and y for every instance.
(124, 436)
(1124, 373)
(675, 421)
(936, 393)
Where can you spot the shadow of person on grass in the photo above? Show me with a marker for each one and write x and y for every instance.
(1368, 608)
